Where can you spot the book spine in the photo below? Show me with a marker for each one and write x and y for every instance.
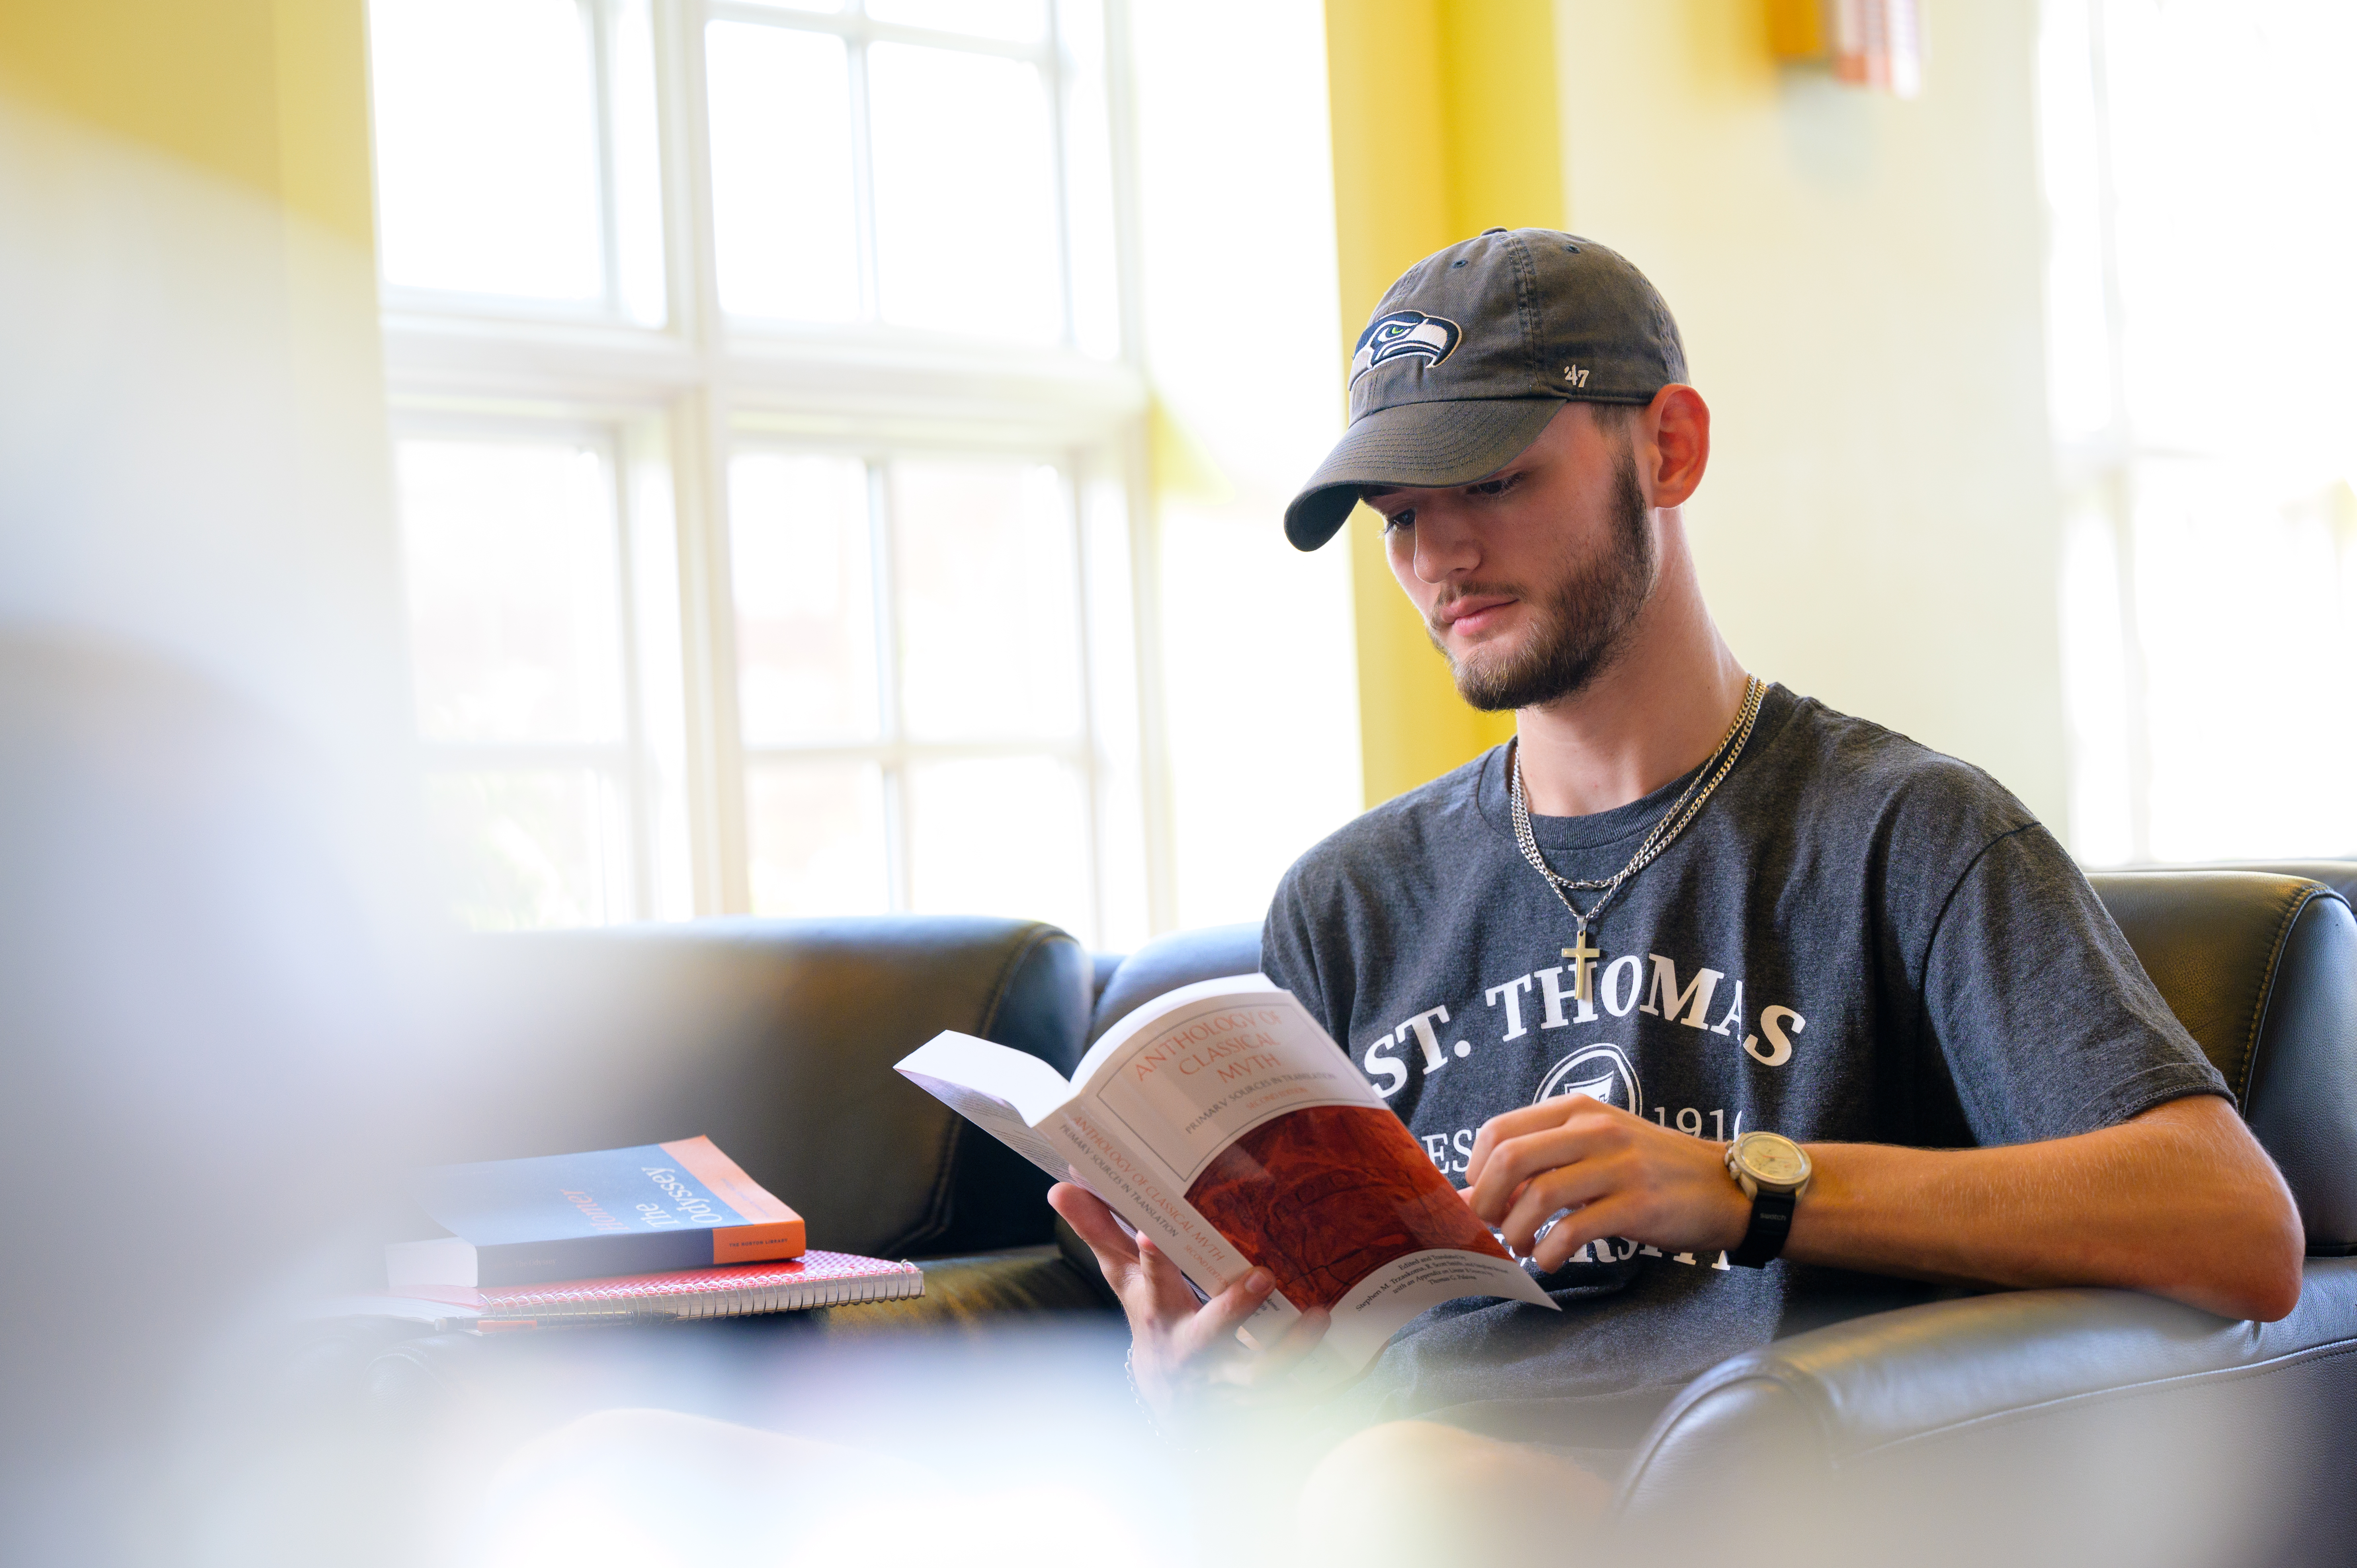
(592, 1257)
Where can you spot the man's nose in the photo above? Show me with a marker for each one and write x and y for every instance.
(1445, 547)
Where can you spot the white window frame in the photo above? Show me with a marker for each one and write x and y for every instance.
(2109, 476)
(673, 403)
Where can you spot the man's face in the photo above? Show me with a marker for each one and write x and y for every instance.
(1529, 578)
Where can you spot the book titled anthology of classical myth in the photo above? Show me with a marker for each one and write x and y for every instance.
(1221, 1120)
(680, 1205)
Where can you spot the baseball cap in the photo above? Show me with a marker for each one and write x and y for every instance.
(1472, 351)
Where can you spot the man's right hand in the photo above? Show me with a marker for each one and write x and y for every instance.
(1184, 1358)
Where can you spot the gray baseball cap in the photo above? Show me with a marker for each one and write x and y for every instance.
(1472, 351)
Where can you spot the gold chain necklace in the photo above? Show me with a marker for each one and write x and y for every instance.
(1584, 954)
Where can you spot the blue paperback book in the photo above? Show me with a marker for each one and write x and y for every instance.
(680, 1205)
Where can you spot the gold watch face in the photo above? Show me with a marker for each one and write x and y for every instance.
(1772, 1161)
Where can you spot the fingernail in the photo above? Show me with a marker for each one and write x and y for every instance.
(1259, 1281)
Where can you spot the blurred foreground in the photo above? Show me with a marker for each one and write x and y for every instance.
(220, 1047)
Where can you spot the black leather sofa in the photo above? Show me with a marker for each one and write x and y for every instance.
(2040, 1425)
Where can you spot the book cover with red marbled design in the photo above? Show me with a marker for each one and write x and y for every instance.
(1324, 1197)
(1222, 1122)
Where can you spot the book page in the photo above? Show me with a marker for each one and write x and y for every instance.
(1222, 1122)
(996, 1117)
(1148, 1017)
(1135, 1189)
(1001, 1090)
(1251, 1112)
(1217, 1064)
(1030, 1087)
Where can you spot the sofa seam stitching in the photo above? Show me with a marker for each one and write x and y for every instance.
(2267, 996)
(2124, 1390)
(1808, 1393)
(936, 1219)
(940, 1200)
(1038, 933)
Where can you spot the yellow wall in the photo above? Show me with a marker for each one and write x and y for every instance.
(270, 93)
(1445, 124)
(1858, 280)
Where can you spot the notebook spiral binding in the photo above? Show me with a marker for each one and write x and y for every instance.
(821, 1280)
(843, 1292)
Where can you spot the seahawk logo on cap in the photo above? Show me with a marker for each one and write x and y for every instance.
(1400, 334)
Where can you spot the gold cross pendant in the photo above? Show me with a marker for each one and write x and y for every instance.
(1584, 954)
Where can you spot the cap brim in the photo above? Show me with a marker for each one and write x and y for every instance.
(1417, 444)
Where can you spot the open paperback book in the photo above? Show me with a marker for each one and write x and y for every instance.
(1221, 1120)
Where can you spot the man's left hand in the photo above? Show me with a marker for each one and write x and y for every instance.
(1619, 1175)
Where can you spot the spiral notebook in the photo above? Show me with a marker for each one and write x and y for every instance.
(815, 1279)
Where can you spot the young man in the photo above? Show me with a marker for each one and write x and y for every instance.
(1684, 908)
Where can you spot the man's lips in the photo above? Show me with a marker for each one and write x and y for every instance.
(1474, 614)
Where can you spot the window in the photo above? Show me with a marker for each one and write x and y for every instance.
(768, 434)
(2198, 154)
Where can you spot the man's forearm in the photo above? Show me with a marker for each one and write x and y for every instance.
(2181, 1202)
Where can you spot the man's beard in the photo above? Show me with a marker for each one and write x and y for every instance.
(1580, 626)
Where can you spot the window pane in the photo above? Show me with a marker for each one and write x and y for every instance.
(2277, 130)
(785, 234)
(487, 147)
(2239, 608)
(966, 210)
(816, 832)
(1019, 21)
(989, 622)
(1089, 180)
(514, 598)
(801, 556)
(2095, 687)
(638, 166)
(1006, 837)
(526, 849)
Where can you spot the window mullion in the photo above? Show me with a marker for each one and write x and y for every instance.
(638, 776)
(707, 622)
(863, 179)
(1092, 757)
(598, 16)
(694, 122)
(700, 473)
(1053, 78)
(892, 732)
(2121, 479)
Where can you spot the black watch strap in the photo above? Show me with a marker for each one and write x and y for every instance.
(1771, 1221)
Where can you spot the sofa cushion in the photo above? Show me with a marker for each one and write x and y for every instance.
(2263, 970)
(1165, 963)
(777, 1039)
(2110, 1415)
(2340, 876)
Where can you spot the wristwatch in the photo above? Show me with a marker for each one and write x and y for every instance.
(1773, 1172)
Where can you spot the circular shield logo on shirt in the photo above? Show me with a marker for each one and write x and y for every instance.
(1600, 1072)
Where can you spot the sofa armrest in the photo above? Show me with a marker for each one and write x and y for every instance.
(2043, 1395)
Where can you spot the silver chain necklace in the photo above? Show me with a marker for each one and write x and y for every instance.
(1584, 955)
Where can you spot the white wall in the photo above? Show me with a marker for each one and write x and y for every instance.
(1858, 281)
(1243, 351)
(192, 450)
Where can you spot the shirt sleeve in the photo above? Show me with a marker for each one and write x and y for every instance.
(1288, 955)
(2046, 1022)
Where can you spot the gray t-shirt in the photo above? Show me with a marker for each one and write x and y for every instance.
(1857, 940)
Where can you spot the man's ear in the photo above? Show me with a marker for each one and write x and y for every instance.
(1679, 424)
